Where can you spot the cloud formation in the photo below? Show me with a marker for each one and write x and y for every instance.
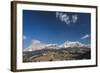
(24, 37)
(74, 18)
(68, 19)
(84, 37)
(35, 41)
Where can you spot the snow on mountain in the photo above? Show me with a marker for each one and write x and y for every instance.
(73, 44)
(52, 46)
(37, 45)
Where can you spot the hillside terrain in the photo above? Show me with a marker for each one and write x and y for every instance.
(75, 53)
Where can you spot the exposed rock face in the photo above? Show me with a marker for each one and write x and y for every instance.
(38, 52)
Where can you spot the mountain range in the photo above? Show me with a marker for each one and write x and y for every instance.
(67, 44)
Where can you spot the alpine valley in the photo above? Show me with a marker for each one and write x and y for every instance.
(69, 50)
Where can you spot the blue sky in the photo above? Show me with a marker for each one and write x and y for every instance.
(56, 27)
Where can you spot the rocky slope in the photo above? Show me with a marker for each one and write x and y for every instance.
(38, 52)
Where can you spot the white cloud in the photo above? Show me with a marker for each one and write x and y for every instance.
(68, 19)
(35, 41)
(35, 45)
(24, 37)
(74, 18)
(57, 14)
(84, 37)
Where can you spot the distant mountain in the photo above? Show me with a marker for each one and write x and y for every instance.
(74, 44)
(39, 46)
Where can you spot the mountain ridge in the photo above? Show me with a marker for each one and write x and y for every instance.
(39, 46)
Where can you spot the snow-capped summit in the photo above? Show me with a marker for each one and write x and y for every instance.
(37, 45)
(73, 44)
(52, 46)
